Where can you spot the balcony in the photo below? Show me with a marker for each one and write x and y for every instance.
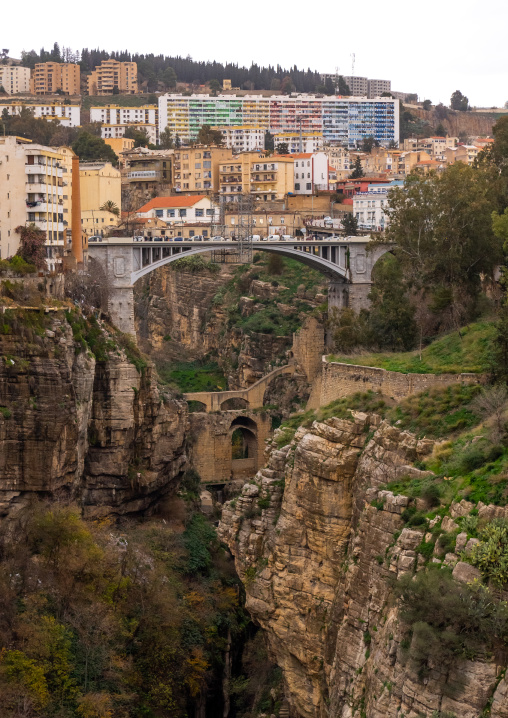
(51, 226)
(39, 187)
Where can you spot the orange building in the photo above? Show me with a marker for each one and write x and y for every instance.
(48, 77)
(110, 74)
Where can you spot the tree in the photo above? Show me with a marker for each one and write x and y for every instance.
(178, 141)
(207, 136)
(350, 225)
(282, 148)
(88, 147)
(286, 86)
(166, 139)
(392, 316)
(343, 88)
(440, 130)
(458, 101)
(32, 248)
(169, 78)
(357, 169)
(269, 144)
(275, 264)
(427, 104)
(115, 90)
(368, 143)
(110, 206)
(215, 86)
(442, 231)
(140, 137)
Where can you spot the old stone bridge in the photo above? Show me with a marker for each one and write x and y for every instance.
(345, 261)
(251, 398)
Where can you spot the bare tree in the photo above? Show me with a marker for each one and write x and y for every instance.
(491, 404)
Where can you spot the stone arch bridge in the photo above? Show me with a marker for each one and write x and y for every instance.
(251, 398)
(344, 261)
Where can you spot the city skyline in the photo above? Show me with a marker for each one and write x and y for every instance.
(433, 52)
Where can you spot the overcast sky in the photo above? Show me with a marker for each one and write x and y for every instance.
(431, 48)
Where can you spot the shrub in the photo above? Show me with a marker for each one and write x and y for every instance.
(446, 620)
(491, 554)
(431, 493)
(447, 542)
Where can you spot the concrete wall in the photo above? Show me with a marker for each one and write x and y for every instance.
(210, 444)
(340, 380)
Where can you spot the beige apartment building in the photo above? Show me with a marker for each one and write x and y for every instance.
(146, 169)
(100, 182)
(15, 79)
(196, 169)
(266, 177)
(463, 153)
(112, 73)
(31, 192)
(48, 77)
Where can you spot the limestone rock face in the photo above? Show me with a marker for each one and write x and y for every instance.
(317, 544)
(99, 432)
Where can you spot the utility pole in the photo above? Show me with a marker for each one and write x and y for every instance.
(353, 57)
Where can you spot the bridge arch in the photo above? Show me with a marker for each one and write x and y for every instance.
(234, 404)
(243, 433)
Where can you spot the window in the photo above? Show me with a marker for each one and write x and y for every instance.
(198, 155)
(209, 212)
(182, 212)
(159, 213)
(309, 185)
(282, 220)
(200, 213)
(170, 213)
(197, 165)
(297, 185)
(207, 165)
(191, 233)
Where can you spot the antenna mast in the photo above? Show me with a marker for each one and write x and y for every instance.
(353, 57)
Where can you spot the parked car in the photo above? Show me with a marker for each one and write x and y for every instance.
(95, 238)
(138, 238)
(217, 238)
(272, 238)
(148, 239)
(157, 239)
(197, 238)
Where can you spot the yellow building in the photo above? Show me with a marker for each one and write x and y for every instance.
(110, 74)
(66, 154)
(98, 221)
(272, 177)
(119, 144)
(48, 77)
(196, 169)
(100, 182)
(14, 79)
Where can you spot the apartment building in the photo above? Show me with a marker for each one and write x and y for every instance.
(341, 120)
(375, 88)
(98, 222)
(120, 144)
(180, 209)
(67, 115)
(235, 175)
(338, 158)
(243, 139)
(146, 169)
(309, 141)
(266, 222)
(48, 77)
(369, 208)
(196, 169)
(116, 119)
(111, 74)
(31, 192)
(434, 146)
(462, 153)
(14, 79)
(310, 172)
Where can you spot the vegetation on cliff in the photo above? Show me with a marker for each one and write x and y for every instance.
(100, 621)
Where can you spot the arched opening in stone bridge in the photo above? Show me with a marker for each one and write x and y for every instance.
(235, 404)
(244, 448)
(196, 406)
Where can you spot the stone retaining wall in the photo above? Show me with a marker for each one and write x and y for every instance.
(338, 380)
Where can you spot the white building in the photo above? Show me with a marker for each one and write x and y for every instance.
(310, 172)
(14, 78)
(369, 208)
(310, 141)
(32, 191)
(112, 115)
(68, 115)
(180, 210)
(115, 131)
(339, 158)
(243, 139)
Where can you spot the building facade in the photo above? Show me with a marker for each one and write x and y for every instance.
(180, 210)
(100, 182)
(369, 208)
(146, 169)
(111, 74)
(48, 77)
(67, 115)
(341, 121)
(310, 141)
(196, 169)
(14, 79)
(113, 118)
(310, 172)
(31, 192)
(243, 139)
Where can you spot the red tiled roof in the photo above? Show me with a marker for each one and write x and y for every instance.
(302, 155)
(168, 202)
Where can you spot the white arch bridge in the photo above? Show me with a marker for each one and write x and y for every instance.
(344, 261)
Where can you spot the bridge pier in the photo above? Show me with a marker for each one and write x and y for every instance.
(121, 309)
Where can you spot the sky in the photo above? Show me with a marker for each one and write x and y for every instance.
(431, 48)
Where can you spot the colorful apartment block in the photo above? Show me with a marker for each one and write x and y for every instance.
(48, 77)
(341, 121)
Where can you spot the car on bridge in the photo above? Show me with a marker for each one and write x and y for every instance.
(218, 238)
(95, 238)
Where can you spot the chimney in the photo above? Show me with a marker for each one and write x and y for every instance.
(77, 241)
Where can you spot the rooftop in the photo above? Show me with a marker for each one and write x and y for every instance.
(168, 202)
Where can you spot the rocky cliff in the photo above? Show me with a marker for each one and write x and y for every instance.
(99, 431)
(318, 545)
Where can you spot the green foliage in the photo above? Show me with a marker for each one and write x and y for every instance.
(194, 264)
(447, 620)
(357, 169)
(466, 350)
(437, 412)
(198, 536)
(193, 376)
(5, 412)
(89, 148)
(208, 136)
(17, 265)
(89, 334)
(459, 102)
(32, 249)
(491, 554)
